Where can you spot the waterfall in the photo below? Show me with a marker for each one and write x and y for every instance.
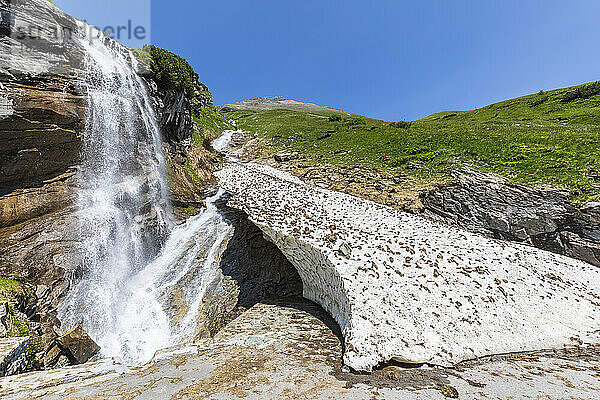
(141, 279)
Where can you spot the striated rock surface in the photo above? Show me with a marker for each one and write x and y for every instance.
(13, 355)
(287, 350)
(542, 217)
(40, 139)
(402, 286)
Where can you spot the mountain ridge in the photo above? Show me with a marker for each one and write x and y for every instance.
(267, 103)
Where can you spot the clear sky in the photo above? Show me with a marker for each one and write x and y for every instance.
(389, 59)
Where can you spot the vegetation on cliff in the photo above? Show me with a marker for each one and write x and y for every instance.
(173, 72)
(170, 70)
(12, 292)
(545, 138)
(10, 289)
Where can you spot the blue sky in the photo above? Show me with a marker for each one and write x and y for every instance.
(389, 59)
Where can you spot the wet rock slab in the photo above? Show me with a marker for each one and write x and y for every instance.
(403, 286)
(288, 350)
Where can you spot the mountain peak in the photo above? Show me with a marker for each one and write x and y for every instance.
(276, 103)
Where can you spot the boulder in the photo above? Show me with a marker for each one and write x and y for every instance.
(79, 346)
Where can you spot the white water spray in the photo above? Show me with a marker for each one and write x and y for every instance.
(136, 292)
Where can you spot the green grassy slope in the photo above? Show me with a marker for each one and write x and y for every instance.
(550, 137)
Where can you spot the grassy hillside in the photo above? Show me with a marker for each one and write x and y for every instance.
(549, 137)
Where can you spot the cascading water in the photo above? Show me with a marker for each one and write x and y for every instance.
(135, 292)
(222, 142)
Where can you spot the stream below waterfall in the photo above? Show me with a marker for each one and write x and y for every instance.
(142, 278)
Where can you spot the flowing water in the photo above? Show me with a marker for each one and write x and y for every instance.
(222, 142)
(141, 279)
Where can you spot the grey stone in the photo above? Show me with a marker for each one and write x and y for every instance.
(291, 350)
(543, 216)
(13, 355)
(345, 250)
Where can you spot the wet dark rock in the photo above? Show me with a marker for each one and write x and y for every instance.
(257, 266)
(543, 217)
(13, 355)
(175, 116)
(78, 345)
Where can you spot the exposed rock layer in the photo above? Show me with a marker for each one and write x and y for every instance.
(543, 217)
(41, 82)
(13, 355)
(40, 139)
(390, 279)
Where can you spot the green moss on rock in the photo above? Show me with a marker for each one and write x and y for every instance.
(11, 288)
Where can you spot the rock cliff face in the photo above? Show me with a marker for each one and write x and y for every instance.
(542, 217)
(190, 165)
(40, 132)
(42, 116)
(43, 109)
(43, 106)
(390, 278)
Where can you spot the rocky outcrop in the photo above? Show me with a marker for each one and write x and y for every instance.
(190, 165)
(390, 278)
(13, 355)
(543, 217)
(41, 124)
(40, 136)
